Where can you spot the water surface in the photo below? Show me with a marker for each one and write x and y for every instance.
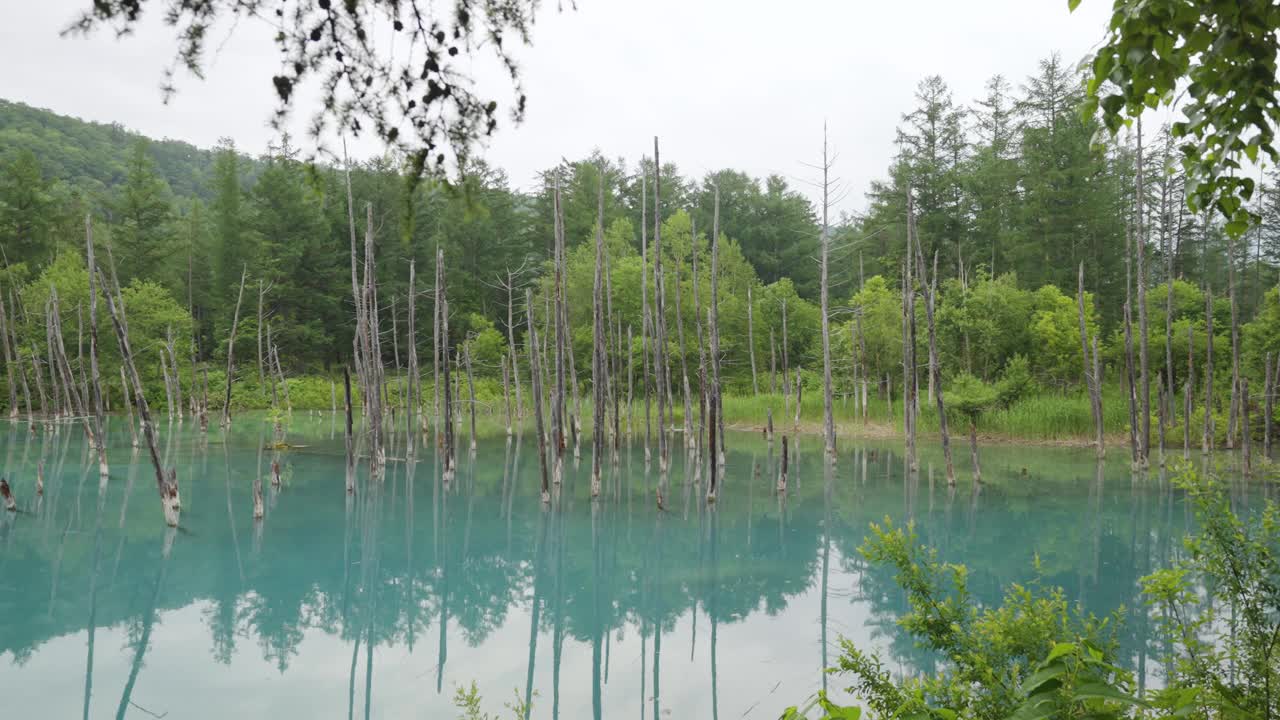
(381, 605)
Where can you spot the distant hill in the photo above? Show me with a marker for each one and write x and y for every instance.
(93, 156)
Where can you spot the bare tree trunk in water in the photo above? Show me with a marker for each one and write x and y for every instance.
(751, 344)
(712, 449)
(689, 438)
(973, 451)
(177, 380)
(471, 393)
(511, 346)
(908, 354)
(133, 424)
(645, 324)
(414, 400)
(1186, 395)
(714, 321)
(930, 289)
(782, 472)
(1234, 409)
(1245, 448)
(660, 323)
(167, 486)
(1207, 438)
(9, 362)
(1140, 246)
(231, 352)
(262, 378)
(786, 364)
(95, 378)
(1268, 389)
(373, 352)
(559, 391)
(598, 372)
(828, 410)
(1091, 380)
(1135, 442)
(349, 435)
(773, 363)
(535, 372)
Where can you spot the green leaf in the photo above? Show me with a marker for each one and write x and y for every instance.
(1059, 649)
(1102, 691)
(1035, 709)
(1072, 5)
(1033, 683)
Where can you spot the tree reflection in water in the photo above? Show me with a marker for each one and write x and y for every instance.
(515, 593)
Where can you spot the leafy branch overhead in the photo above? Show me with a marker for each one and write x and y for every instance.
(1216, 59)
(397, 68)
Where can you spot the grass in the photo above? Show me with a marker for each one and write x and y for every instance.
(1046, 416)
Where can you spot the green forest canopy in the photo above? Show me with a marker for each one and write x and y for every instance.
(1012, 195)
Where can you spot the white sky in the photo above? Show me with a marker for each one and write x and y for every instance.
(724, 83)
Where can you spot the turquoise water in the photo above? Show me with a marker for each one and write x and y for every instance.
(379, 606)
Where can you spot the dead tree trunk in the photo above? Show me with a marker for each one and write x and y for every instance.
(660, 322)
(773, 363)
(1207, 438)
(58, 355)
(535, 372)
(718, 426)
(262, 378)
(1234, 408)
(598, 372)
(45, 408)
(713, 451)
(973, 451)
(1140, 243)
(1268, 389)
(511, 344)
(930, 289)
(782, 471)
(646, 326)
(631, 375)
(168, 384)
(95, 377)
(128, 406)
(357, 295)
(1186, 395)
(786, 364)
(751, 344)
(177, 379)
(1092, 383)
(828, 408)
(284, 384)
(1161, 399)
(471, 393)
(690, 440)
(558, 392)
(349, 435)
(441, 352)
(9, 362)
(506, 392)
(414, 400)
(613, 368)
(166, 484)
(702, 348)
(1135, 442)
(231, 352)
(908, 348)
(373, 352)
(1245, 443)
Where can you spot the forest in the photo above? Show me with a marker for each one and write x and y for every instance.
(1013, 194)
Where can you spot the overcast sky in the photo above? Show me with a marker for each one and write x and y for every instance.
(724, 83)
